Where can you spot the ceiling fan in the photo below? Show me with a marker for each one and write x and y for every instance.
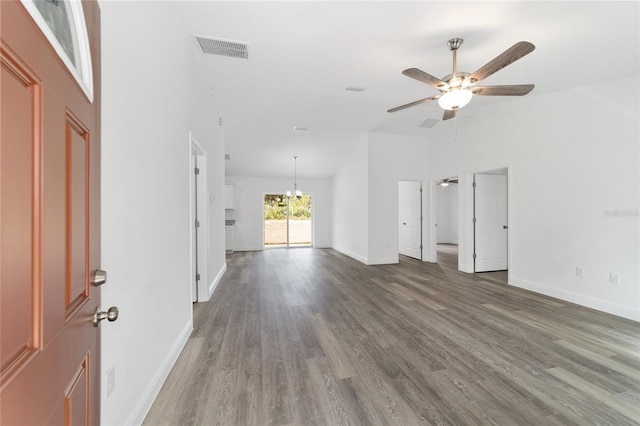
(458, 88)
(446, 182)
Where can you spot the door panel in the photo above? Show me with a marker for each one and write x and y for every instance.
(77, 209)
(409, 213)
(490, 204)
(50, 223)
(77, 397)
(20, 286)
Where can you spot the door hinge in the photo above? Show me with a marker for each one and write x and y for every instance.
(197, 277)
(197, 171)
(421, 247)
(420, 189)
(473, 184)
(197, 224)
(474, 220)
(474, 256)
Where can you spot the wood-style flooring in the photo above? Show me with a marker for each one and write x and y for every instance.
(313, 337)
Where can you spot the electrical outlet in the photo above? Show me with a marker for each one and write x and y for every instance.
(614, 278)
(579, 272)
(110, 380)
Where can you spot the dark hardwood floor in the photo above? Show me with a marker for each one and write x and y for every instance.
(308, 336)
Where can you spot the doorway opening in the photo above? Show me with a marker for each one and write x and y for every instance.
(490, 221)
(446, 200)
(288, 221)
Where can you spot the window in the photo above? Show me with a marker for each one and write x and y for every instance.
(62, 22)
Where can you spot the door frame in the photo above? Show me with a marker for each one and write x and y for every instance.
(465, 217)
(469, 213)
(433, 241)
(432, 234)
(202, 289)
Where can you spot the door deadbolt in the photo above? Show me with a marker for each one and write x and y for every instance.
(99, 277)
(110, 315)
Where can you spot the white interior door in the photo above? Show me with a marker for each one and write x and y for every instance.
(409, 219)
(490, 206)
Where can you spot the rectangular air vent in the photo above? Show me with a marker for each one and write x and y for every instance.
(221, 47)
(300, 129)
(429, 123)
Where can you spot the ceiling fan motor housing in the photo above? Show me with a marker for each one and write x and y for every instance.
(455, 43)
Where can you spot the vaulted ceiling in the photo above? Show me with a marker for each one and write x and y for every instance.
(302, 56)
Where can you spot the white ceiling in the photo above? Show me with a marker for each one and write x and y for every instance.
(302, 55)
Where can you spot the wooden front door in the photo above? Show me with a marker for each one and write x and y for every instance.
(50, 226)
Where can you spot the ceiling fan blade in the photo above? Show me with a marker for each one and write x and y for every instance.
(449, 113)
(507, 57)
(508, 90)
(421, 101)
(425, 78)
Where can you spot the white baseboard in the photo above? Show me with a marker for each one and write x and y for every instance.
(366, 260)
(351, 254)
(249, 248)
(143, 406)
(215, 282)
(383, 260)
(448, 241)
(322, 245)
(580, 299)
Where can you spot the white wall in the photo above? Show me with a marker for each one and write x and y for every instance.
(392, 158)
(248, 209)
(573, 160)
(350, 187)
(366, 195)
(202, 120)
(150, 103)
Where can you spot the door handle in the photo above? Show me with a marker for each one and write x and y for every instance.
(505, 227)
(110, 315)
(99, 277)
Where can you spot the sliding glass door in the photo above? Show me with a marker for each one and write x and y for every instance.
(287, 221)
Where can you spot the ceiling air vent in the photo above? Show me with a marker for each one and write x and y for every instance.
(300, 129)
(221, 47)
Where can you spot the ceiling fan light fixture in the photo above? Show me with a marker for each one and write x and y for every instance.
(444, 183)
(455, 99)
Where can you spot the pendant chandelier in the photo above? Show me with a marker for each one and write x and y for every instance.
(295, 193)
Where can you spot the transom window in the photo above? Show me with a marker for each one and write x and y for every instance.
(62, 22)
